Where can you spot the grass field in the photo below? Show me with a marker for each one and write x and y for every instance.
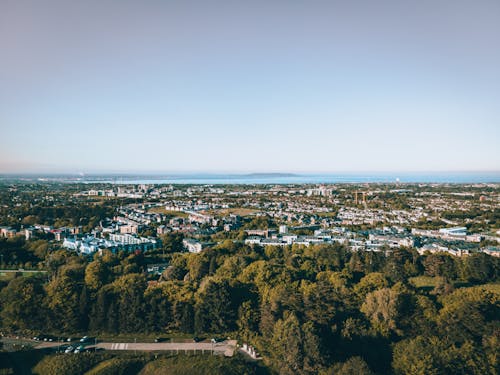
(10, 274)
(241, 211)
(429, 283)
(162, 210)
(424, 282)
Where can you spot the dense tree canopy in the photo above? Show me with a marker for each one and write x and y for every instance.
(307, 310)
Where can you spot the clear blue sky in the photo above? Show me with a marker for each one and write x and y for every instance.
(289, 86)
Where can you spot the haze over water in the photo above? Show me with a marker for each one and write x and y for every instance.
(271, 178)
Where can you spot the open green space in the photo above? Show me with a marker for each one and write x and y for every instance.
(104, 363)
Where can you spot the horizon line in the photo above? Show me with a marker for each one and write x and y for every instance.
(238, 173)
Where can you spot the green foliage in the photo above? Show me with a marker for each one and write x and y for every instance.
(214, 310)
(67, 364)
(172, 242)
(117, 366)
(307, 310)
(353, 366)
(287, 349)
(369, 283)
(22, 304)
(19, 362)
(433, 355)
(469, 313)
(382, 308)
(201, 365)
(480, 268)
(63, 298)
(440, 265)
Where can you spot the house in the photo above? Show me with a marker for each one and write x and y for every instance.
(192, 246)
(157, 268)
(7, 232)
(162, 229)
(492, 250)
(456, 231)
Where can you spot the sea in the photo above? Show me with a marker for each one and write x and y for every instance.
(265, 178)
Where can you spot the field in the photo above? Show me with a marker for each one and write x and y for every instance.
(240, 211)
(424, 282)
(429, 283)
(162, 210)
(8, 275)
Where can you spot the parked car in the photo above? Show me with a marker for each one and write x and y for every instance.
(61, 348)
(69, 349)
(84, 339)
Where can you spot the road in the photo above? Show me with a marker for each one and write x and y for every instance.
(226, 347)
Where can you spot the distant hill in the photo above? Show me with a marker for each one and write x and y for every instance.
(261, 175)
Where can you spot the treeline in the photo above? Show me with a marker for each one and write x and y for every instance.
(307, 309)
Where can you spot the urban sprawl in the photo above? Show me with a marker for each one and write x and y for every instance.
(371, 217)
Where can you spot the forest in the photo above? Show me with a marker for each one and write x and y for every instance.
(307, 310)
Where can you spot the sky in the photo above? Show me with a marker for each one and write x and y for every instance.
(249, 86)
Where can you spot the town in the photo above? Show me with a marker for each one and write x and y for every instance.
(428, 217)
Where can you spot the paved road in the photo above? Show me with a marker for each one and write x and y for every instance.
(227, 347)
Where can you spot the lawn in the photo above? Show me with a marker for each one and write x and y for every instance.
(429, 283)
(162, 210)
(240, 211)
(424, 282)
(10, 274)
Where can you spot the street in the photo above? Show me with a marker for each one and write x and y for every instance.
(227, 347)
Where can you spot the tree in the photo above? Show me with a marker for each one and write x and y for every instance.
(198, 266)
(369, 283)
(158, 310)
(480, 268)
(183, 314)
(401, 264)
(84, 309)
(322, 302)
(381, 307)
(22, 304)
(247, 321)
(440, 265)
(100, 313)
(172, 242)
(314, 354)
(63, 300)
(468, 314)
(287, 345)
(96, 274)
(432, 355)
(214, 309)
(130, 289)
(353, 366)
(416, 357)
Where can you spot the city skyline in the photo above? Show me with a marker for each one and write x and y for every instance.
(328, 87)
